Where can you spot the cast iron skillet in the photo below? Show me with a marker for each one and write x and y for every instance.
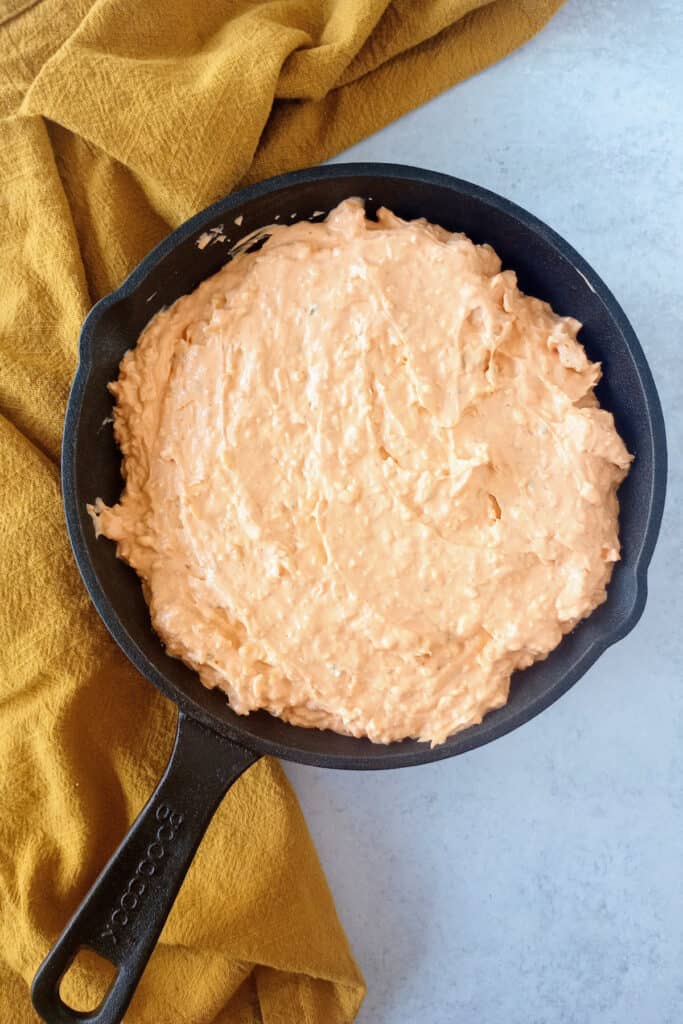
(123, 914)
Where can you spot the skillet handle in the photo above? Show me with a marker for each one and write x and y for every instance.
(123, 914)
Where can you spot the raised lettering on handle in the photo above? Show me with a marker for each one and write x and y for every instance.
(139, 883)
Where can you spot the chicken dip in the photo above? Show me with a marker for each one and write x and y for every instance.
(366, 478)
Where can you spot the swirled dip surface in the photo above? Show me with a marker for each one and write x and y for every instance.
(366, 478)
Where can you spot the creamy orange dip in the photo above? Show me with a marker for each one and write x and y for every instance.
(366, 478)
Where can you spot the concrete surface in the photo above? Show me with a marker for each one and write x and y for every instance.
(540, 879)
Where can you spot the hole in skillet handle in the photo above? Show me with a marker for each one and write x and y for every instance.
(87, 981)
(121, 917)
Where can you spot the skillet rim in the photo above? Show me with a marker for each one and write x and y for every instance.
(391, 755)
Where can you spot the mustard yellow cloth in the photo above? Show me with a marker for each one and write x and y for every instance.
(120, 118)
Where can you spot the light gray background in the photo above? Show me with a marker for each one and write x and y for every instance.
(539, 879)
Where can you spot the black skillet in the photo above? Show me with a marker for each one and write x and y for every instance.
(123, 914)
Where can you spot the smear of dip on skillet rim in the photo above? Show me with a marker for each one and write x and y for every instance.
(366, 478)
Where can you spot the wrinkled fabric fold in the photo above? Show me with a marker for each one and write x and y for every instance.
(118, 120)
